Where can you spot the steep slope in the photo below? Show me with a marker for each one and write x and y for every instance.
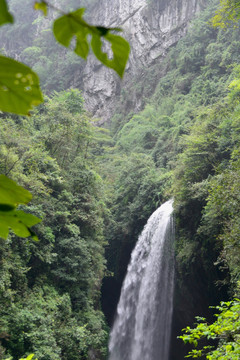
(151, 27)
(187, 134)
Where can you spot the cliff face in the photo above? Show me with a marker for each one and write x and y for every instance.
(151, 27)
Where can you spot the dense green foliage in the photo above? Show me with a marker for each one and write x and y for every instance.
(227, 14)
(71, 260)
(185, 130)
(226, 329)
(50, 288)
(95, 187)
(189, 135)
(20, 91)
(20, 222)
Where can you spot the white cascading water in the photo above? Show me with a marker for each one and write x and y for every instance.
(142, 327)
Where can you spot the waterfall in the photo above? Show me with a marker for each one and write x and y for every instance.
(142, 327)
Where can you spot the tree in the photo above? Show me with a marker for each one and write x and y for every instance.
(49, 290)
(227, 14)
(20, 90)
(226, 329)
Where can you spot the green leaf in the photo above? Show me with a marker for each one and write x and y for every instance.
(19, 87)
(28, 358)
(42, 6)
(4, 229)
(72, 25)
(19, 221)
(5, 16)
(82, 47)
(120, 49)
(12, 194)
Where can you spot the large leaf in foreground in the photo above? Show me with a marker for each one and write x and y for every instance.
(11, 193)
(72, 25)
(20, 222)
(5, 16)
(19, 87)
(119, 48)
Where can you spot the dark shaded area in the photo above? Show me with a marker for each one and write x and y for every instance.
(194, 293)
(111, 286)
(111, 289)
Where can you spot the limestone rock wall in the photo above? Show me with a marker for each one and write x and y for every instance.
(151, 27)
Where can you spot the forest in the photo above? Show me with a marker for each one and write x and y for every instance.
(94, 187)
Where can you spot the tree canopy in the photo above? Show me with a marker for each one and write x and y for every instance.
(20, 89)
(227, 14)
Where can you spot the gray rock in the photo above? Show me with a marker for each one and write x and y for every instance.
(151, 27)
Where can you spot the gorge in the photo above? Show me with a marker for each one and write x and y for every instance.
(99, 156)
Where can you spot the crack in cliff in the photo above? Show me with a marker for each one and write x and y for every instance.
(129, 17)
